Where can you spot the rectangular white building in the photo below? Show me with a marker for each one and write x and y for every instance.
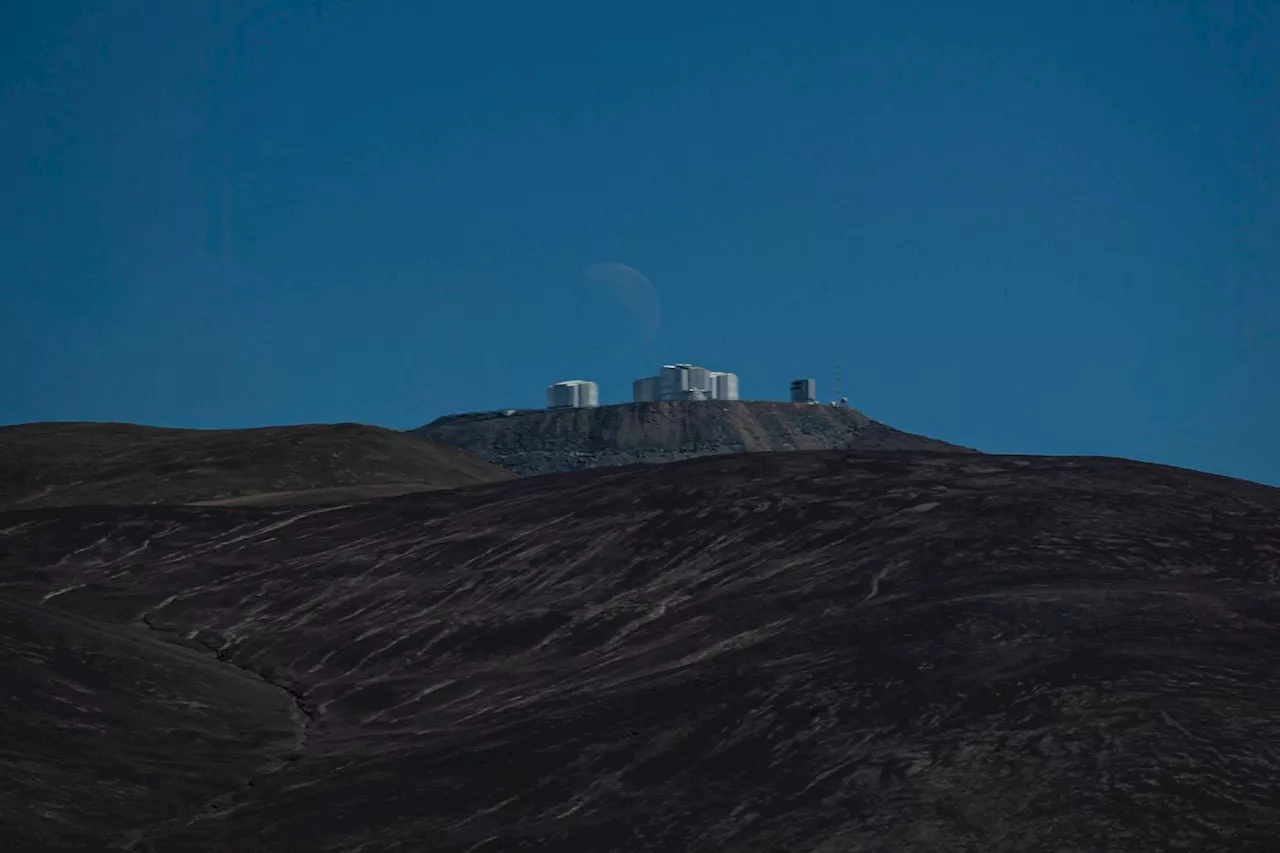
(673, 380)
(724, 386)
(699, 379)
(573, 394)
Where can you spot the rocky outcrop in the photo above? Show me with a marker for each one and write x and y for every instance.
(543, 441)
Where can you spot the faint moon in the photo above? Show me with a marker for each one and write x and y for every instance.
(636, 293)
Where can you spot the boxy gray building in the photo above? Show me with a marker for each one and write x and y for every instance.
(804, 391)
(685, 382)
(573, 394)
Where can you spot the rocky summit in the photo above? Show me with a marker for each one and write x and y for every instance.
(821, 651)
(540, 441)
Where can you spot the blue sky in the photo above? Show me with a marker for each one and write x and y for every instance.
(1025, 227)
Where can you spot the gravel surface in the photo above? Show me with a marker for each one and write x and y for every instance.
(544, 441)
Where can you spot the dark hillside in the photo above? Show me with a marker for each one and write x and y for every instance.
(61, 464)
(815, 651)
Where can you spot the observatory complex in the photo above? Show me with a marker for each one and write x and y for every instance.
(676, 382)
(685, 382)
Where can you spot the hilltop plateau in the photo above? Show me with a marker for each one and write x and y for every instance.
(540, 441)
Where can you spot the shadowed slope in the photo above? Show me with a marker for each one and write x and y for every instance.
(816, 651)
(106, 729)
(63, 464)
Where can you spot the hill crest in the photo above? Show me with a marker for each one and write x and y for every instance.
(68, 463)
(538, 441)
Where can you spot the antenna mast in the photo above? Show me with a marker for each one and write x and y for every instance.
(837, 380)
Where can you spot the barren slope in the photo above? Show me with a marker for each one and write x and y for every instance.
(106, 729)
(541, 441)
(816, 652)
(63, 464)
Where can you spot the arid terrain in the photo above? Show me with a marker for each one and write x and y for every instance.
(541, 441)
(68, 464)
(818, 651)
